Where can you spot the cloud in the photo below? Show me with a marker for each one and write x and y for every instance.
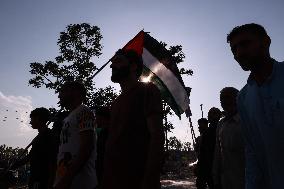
(15, 130)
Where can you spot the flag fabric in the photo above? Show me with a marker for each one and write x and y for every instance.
(160, 69)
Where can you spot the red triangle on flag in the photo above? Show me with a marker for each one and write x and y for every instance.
(136, 44)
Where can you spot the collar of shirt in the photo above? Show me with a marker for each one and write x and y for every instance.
(251, 80)
(235, 118)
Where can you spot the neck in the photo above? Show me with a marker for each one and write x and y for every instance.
(74, 105)
(127, 85)
(263, 71)
(214, 123)
(42, 128)
(230, 114)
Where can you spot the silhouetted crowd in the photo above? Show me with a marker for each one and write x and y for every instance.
(122, 147)
(244, 148)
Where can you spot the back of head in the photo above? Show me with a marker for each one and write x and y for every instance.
(252, 28)
(202, 125)
(229, 90)
(77, 87)
(42, 114)
(202, 121)
(214, 115)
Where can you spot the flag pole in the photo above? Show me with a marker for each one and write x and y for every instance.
(101, 68)
(201, 107)
(192, 131)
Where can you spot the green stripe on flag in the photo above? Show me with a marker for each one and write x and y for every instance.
(147, 76)
(172, 83)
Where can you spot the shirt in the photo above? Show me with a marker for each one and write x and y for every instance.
(42, 155)
(79, 120)
(127, 143)
(206, 153)
(262, 113)
(229, 160)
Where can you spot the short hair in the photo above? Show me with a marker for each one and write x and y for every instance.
(42, 113)
(251, 28)
(76, 86)
(214, 109)
(202, 120)
(231, 90)
(134, 58)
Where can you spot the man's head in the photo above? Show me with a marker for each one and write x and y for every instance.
(72, 93)
(126, 64)
(214, 115)
(228, 99)
(39, 118)
(202, 125)
(103, 117)
(250, 45)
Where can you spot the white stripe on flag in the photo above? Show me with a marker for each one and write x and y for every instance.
(168, 78)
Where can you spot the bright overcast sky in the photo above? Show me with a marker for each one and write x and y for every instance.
(29, 30)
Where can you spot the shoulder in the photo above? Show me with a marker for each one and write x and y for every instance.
(149, 87)
(279, 67)
(242, 94)
(280, 64)
(221, 122)
(84, 111)
(84, 108)
(242, 102)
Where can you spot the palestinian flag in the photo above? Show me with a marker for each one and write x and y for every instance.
(160, 69)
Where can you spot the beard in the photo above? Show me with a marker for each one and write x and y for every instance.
(119, 74)
(249, 63)
(65, 102)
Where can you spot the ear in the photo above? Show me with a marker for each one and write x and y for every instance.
(266, 42)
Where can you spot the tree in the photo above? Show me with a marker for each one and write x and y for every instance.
(177, 58)
(175, 144)
(8, 153)
(104, 96)
(186, 146)
(77, 46)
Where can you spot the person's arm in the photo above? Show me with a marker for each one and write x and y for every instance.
(157, 138)
(86, 147)
(52, 153)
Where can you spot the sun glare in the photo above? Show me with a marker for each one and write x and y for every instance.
(146, 79)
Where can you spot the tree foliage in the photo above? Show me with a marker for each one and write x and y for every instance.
(78, 44)
(8, 153)
(174, 143)
(178, 57)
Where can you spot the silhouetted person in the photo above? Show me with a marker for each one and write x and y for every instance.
(42, 155)
(103, 123)
(206, 155)
(261, 106)
(76, 156)
(134, 148)
(229, 159)
(57, 126)
(202, 127)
